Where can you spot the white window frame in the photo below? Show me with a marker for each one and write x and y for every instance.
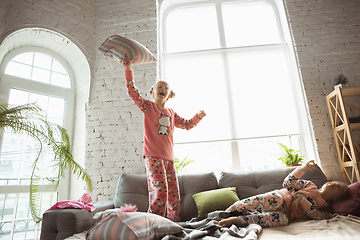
(307, 139)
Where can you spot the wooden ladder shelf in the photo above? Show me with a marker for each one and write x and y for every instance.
(347, 150)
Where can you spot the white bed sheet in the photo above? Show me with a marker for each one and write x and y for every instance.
(338, 227)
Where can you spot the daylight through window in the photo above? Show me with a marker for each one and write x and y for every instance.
(230, 59)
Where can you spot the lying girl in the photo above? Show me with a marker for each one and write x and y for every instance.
(298, 199)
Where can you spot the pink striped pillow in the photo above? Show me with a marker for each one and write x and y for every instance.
(110, 227)
(132, 225)
(120, 49)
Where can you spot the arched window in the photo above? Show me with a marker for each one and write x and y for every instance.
(31, 74)
(233, 59)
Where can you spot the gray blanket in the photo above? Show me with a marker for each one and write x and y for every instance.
(207, 228)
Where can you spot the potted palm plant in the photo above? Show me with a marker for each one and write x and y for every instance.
(29, 119)
(291, 156)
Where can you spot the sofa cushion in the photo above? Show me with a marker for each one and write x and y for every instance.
(215, 200)
(257, 182)
(350, 205)
(132, 189)
(132, 225)
(191, 184)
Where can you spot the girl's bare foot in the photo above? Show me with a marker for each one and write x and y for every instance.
(229, 221)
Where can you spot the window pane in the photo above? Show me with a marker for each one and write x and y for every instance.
(262, 95)
(209, 157)
(17, 157)
(47, 199)
(42, 60)
(56, 109)
(57, 121)
(7, 208)
(23, 210)
(57, 67)
(200, 87)
(41, 75)
(18, 97)
(60, 80)
(192, 28)
(18, 70)
(249, 23)
(18, 152)
(46, 166)
(26, 58)
(251, 159)
(40, 99)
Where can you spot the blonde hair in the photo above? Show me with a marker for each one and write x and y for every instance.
(171, 94)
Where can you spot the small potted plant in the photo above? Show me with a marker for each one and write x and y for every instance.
(291, 156)
(180, 164)
(340, 80)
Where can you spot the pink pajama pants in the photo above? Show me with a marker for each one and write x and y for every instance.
(267, 210)
(164, 194)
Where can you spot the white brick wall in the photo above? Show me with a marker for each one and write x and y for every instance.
(326, 38)
(115, 132)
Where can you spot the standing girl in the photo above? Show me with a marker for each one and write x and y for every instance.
(159, 124)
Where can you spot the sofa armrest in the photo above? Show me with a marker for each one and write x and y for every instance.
(62, 223)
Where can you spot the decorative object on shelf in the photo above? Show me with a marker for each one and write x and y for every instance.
(30, 120)
(291, 156)
(340, 80)
(180, 164)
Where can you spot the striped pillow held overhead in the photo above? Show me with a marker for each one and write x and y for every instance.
(120, 49)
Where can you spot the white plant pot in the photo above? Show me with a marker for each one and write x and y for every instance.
(338, 85)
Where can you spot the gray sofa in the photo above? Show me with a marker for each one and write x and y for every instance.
(132, 188)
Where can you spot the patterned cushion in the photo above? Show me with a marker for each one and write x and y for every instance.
(132, 225)
(120, 49)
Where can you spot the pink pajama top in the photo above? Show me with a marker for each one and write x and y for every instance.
(159, 123)
(312, 201)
